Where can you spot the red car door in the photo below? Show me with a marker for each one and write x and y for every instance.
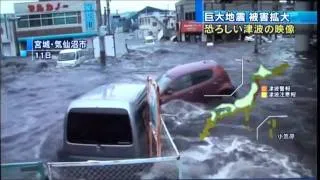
(202, 83)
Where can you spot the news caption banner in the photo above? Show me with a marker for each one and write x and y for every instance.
(42, 49)
(252, 22)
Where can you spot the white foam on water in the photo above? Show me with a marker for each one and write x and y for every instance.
(43, 139)
(183, 111)
(239, 157)
(223, 172)
(199, 153)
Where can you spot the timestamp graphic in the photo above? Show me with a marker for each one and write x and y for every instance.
(42, 55)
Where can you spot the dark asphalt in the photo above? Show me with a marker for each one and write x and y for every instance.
(35, 98)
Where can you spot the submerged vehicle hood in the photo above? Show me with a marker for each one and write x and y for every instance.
(114, 91)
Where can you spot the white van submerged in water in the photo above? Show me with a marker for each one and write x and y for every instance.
(149, 40)
(71, 57)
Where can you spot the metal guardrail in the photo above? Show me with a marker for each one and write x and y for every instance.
(22, 171)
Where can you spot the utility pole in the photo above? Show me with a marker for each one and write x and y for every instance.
(101, 37)
(105, 16)
(1, 32)
(108, 12)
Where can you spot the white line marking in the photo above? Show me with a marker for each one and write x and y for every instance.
(31, 50)
(228, 95)
(257, 129)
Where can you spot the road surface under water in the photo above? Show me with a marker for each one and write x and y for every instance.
(33, 103)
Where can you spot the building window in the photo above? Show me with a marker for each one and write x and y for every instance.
(23, 21)
(190, 16)
(34, 20)
(71, 20)
(154, 24)
(46, 19)
(148, 20)
(23, 24)
(39, 20)
(59, 18)
(71, 17)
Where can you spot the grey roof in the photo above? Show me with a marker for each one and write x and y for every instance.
(115, 95)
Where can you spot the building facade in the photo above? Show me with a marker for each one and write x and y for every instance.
(189, 30)
(63, 20)
(7, 41)
(152, 20)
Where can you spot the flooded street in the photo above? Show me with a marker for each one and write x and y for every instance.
(34, 100)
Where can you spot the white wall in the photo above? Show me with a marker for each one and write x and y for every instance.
(7, 50)
(7, 37)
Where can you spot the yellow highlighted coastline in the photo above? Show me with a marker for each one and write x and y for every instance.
(244, 104)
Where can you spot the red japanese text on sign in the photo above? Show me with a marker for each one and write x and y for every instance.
(45, 7)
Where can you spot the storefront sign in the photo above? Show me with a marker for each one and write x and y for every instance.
(48, 7)
(24, 8)
(191, 26)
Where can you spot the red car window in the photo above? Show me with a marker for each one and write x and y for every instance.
(201, 76)
(180, 83)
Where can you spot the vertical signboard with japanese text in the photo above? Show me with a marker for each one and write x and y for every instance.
(90, 16)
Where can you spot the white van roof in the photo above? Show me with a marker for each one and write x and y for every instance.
(69, 50)
(148, 38)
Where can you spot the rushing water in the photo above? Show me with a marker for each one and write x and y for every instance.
(34, 100)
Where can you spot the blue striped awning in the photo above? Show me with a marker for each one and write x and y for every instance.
(59, 36)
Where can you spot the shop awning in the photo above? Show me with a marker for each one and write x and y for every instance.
(59, 36)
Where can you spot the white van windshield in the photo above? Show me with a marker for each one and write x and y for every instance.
(67, 56)
(149, 41)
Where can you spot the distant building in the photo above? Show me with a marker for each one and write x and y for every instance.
(124, 22)
(115, 22)
(152, 20)
(7, 43)
(63, 20)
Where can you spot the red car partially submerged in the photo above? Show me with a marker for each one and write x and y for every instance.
(193, 81)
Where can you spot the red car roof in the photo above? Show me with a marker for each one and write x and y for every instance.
(190, 67)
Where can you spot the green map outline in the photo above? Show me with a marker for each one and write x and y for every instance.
(244, 104)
